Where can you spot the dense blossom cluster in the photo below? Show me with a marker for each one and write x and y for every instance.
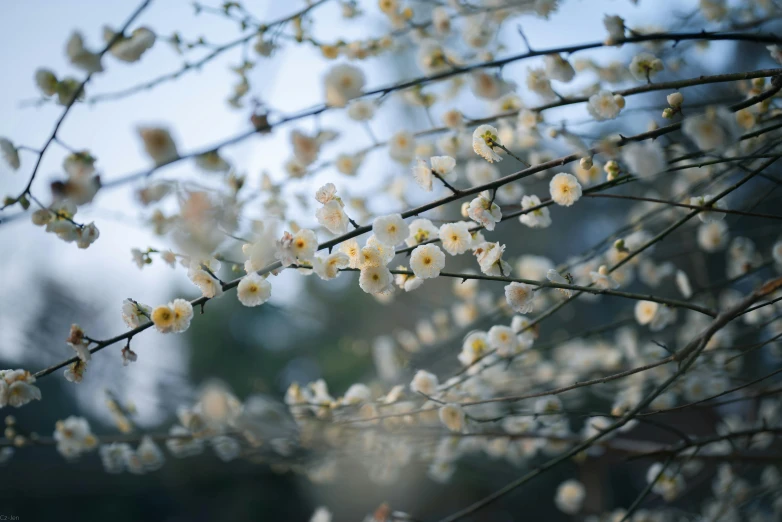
(508, 389)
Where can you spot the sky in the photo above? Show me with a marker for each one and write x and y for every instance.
(34, 33)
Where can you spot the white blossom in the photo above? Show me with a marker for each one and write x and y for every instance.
(391, 229)
(452, 416)
(644, 159)
(558, 68)
(565, 189)
(645, 311)
(427, 261)
(253, 290)
(424, 382)
(484, 211)
(135, 314)
(455, 237)
(504, 340)
(483, 139)
(361, 110)
(644, 66)
(520, 297)
(150, 454)
(604, 105)
(570, 496)
(328, 267)
(401, 147)
(17, 388)
(615, 26)
(538, 218)
(713, 236)
(375, 279)
(489, 256)
(332, 216)
(74, 437)
(421, 230)
(540, 84)
(474, 347)
(343, 83)
(174, 317)
(707, 216)
(714, 129)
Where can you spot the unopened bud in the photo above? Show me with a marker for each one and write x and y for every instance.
(586, 162)
(612, 168)
(620, 100)
(675, 99)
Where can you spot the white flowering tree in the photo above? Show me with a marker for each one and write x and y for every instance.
(571, 248)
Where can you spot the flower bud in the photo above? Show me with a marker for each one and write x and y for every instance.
(675, 99)
(586, 162)
(612, 168)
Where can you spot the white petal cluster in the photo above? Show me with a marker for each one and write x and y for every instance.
(441, 166)
(74, 437)
(174, 317)
(298, 247)
(484, 211)
(421, 230)
(452, 416)
(475, 346)
(203, 275)
(253, 290)
(540, 84)
(427, 261)
(570, 496)
(328, 267)
(424, 382)
(17, 388)
(558, 68)
(714, 129)
(391, 229)
(604, 105)
(565, 189)
(615, 26)
(343, 83)
(134, 313)
(645, 159)
(644, 66)
(484, 139)
(375, 280)
(456, 237)
(538, 218)
(520, 297)
(707, 216)
(489, 256)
